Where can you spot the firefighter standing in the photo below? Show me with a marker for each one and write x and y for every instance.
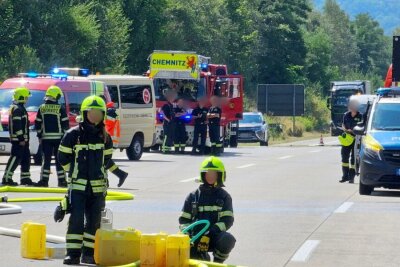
(84, 152)
(210, 202)
(214, 119)
(200, 126)
(18, 122)
(180, 128)
(347, 140)
(113, 128)
(51, 123)
(168, 122)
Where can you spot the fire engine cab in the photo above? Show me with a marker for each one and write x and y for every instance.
(193, 76)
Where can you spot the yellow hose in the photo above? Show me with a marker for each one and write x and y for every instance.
(111, 195)
(192, 263)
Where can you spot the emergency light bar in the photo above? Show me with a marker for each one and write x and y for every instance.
(388, 92)
(61, 76)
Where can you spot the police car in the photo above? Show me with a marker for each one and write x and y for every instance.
(380, 146)
(75, 90)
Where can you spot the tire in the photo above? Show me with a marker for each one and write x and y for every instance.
(233, 142)
(135, 150)
(263, 143)
(155, 147)
(365, 190)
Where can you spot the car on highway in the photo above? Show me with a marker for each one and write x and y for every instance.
(253, 128)
(380, 147)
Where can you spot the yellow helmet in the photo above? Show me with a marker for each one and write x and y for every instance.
(93, 102)
(213, 164)
(21, 94)
(54, 92)
(346, 139)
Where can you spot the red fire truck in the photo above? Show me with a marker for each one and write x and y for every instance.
(193, 76)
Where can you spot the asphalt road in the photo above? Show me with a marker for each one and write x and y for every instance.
(289, 208)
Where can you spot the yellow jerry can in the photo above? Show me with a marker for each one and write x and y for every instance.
(116, 247)
(178, 250)
(33, 240)
(153, 250)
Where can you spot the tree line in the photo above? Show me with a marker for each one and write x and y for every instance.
(268, 41)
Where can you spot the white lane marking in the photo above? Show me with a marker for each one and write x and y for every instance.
(305, 251)
(344, 207)
(286, 157)
(189, 180)
(314, 151)
(246, 166)
(35, 169)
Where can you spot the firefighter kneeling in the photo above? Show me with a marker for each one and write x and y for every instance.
(84, 152)
(210, 202)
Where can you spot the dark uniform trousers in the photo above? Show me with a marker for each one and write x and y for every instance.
(19, 155)
(348, 167)
(169, 135)
(200, 130)
(81, 233)
(50, 148)
(221, 245)
(180, 136)
(214, 132)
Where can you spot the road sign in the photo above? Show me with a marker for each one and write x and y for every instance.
(281, 99)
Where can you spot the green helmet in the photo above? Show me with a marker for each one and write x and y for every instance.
(93, 102)
(21, 94)
(214, 164)
(54, 92)
(346, 139)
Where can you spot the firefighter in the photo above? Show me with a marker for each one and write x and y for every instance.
(84, 152)
(180, 128)
(113, 128)
(51, 123)
(18, 122)
(347, 140)
(200, 126)
(210, 202)
(214, 119)
(168, 121)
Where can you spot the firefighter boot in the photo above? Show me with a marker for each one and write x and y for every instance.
(42, 183)
(27, 181)
(69, 260)
(345, 176)
(87, 259)
(9, 182)
(352, 174)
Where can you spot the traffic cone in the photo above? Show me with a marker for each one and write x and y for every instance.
(321, 141)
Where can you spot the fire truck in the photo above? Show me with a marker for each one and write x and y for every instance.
(193, 76)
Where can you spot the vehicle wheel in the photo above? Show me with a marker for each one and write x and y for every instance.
(264, 143)
(135, 150)
(37, 158)
(365, 189)
(233, 142)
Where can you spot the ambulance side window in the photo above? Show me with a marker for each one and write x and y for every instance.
(113, 90)
(136, 96)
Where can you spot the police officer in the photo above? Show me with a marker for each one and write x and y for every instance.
(168, 121)
(210, 202)
(180, 128)
(51, 123)
(214, 119)
(84, 152)
(200, 126)
(18, 122)
(347, 140)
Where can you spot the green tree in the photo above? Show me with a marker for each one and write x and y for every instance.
(10, 27)
(372, 45)
(336, 23)
(281, 50)
(22, 59)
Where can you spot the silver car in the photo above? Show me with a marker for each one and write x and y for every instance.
(253, 128)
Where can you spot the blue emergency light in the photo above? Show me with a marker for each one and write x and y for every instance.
(187, 118)
(388, 92)
(32, 74)
(204, 66)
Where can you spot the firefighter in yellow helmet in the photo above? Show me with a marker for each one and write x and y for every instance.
(18, 123)
(210, 202)
(51, 123)
(84, 152)
(347, 140)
